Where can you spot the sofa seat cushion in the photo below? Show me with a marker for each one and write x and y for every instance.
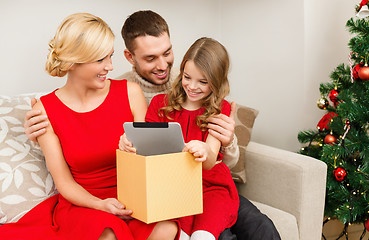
(285, 222)
(24, 178)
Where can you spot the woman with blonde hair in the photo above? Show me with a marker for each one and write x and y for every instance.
(85, 116)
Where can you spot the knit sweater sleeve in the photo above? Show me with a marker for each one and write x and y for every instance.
(231, 153)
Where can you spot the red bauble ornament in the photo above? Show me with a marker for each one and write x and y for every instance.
(367, 224)
(326, 119)
(333, 96)
(330, 139)
(364, 73)
(355, 70)
(339, 174)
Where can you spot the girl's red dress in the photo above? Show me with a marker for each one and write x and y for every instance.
(89, 141)
(220, 196)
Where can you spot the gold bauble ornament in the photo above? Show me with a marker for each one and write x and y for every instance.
(322, 103)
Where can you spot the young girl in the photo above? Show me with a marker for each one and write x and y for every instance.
(197, 94)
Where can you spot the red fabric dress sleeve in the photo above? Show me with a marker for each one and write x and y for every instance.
(152, 114)
(226, 108)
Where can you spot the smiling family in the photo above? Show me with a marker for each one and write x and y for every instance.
(80, 153)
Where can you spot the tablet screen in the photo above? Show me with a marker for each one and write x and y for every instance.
(155, 138)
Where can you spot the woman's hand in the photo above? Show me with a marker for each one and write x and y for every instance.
(126, 145)
(113, 206)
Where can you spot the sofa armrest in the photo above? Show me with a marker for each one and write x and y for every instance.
(288, 181)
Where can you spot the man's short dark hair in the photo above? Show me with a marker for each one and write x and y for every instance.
(142, 23)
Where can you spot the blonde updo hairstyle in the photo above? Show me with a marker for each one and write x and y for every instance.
(80, 38)
(212, 59)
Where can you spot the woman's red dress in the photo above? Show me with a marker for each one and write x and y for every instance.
(89, 141)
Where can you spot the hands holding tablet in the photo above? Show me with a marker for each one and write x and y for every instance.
(153, 138)
(198, 148)
(126, 145)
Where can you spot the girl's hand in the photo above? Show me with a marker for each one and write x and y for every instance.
(199, 149)
(126, 145)
(113, 206)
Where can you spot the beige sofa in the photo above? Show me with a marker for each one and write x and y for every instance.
(287, 187)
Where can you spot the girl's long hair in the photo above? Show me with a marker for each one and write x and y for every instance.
(212, 59)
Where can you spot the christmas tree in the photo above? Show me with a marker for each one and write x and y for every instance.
(341, 139)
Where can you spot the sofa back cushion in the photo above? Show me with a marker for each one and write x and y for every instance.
(244, 119)
(24, 178)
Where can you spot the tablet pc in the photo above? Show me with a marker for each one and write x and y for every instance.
(154, 138)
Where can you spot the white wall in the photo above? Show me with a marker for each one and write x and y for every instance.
(27, 26)
(266, 42)
(326, 46)
(280, 50)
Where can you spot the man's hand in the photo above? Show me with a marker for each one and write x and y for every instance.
(34, 123)
(222, 127)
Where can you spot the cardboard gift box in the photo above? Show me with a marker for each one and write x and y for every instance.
(159, 187)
